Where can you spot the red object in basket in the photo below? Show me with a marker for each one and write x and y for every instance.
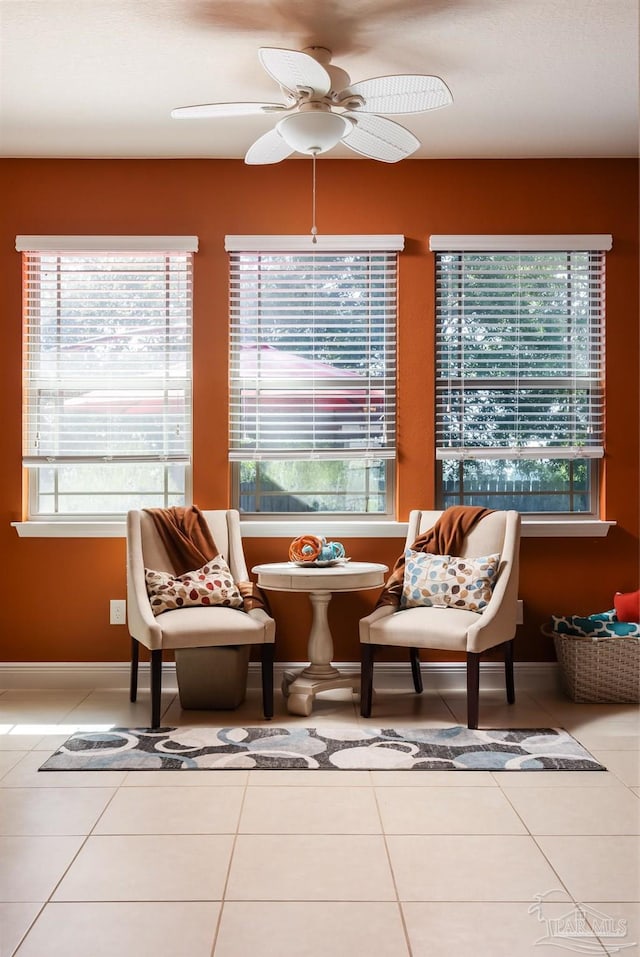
(627, 605)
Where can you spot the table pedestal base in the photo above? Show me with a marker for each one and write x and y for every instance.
(301, 687)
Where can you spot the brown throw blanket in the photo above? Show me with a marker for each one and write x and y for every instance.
(445, 538)
(190, 545)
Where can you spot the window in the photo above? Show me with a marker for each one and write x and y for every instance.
(312, 405)
(520, 365)
(107, 373)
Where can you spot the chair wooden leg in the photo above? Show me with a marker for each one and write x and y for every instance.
(267, 679)
(156, 687)
(473, 688)
(508, 671)
(135, 654)
(414, 656)
(367, 653)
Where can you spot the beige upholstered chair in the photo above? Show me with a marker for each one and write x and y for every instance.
(190, 627)
(453, 629)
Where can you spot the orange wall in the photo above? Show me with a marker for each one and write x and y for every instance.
(55, 604)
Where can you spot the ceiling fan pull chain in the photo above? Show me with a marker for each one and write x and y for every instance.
(314, 230)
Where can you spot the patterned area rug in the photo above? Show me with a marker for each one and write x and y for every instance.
(325, 748)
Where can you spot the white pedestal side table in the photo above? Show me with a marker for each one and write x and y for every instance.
(300, 688)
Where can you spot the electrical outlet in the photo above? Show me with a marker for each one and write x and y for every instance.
(117, 611)
(520, 612)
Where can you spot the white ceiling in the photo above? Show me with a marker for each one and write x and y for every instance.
(530, 78)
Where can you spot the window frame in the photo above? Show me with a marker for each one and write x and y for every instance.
(177, 252)
(516, 245)
(303, 246)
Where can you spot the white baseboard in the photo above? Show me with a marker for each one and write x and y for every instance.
(114, 675)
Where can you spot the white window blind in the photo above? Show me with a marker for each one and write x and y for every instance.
(107, 362)
(313, 350)
(520, 351)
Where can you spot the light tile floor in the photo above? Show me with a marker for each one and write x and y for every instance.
(304, 864)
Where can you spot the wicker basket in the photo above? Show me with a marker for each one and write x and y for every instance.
(606, 670)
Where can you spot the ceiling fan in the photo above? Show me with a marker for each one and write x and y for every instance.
(322, 108)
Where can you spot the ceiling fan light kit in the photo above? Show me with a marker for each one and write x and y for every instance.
(323, 108)
(313, 131)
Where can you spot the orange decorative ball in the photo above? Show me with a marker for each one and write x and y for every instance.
(306, 548)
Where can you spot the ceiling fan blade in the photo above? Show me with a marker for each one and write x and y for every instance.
(379, 138)
(405, 93)
(210, 110)
(293, 69)
(269, 148)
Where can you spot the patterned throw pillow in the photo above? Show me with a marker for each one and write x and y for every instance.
(603, 625)
(442, 580)
(212, 584)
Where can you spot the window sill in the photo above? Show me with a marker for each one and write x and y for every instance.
(70, 529)
(531, 528)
